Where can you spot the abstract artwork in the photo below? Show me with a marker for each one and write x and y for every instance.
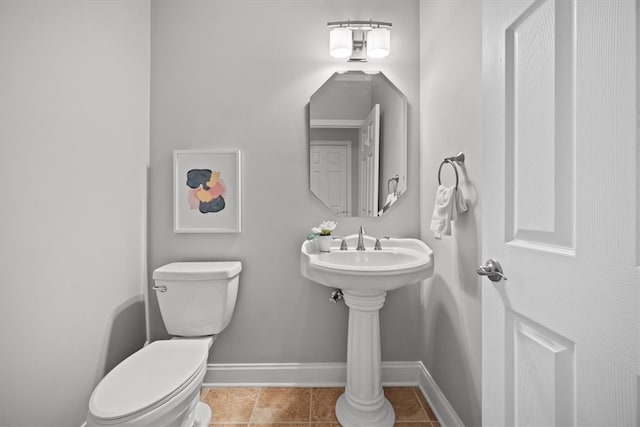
(207, 191)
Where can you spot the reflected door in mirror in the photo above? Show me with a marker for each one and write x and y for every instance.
(330, 174)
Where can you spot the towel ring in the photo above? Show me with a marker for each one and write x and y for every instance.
(393, 182)
(455, 169)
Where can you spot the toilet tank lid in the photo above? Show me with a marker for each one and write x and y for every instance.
(195, 270)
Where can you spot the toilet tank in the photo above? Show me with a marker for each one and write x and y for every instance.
(197, 298)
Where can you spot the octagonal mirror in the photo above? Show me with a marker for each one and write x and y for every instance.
(358, 144)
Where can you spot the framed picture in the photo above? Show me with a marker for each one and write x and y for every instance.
(206, 192)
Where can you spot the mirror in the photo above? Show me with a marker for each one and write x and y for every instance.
(358, 144)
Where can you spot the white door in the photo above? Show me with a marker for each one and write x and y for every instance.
(369, 163)
(561, 337)
(330, 179)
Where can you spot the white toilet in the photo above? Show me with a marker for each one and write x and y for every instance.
(159, 385)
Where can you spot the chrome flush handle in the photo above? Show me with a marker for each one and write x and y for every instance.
(159, 288)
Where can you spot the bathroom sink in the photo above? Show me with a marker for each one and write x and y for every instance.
(365, 277)
(400, 262)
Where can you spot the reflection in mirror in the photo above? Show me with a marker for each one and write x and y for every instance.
(358, 144)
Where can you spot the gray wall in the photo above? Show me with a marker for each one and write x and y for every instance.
(342, 100)
(74, 147)
(239, 74)
(451, 121)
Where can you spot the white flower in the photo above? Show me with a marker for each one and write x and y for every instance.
(325, 228)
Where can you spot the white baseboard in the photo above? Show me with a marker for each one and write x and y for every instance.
(275, 374)
(437, 400)
(330, 375)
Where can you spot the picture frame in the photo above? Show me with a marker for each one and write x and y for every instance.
(207, 196)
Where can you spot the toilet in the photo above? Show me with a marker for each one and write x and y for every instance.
(159, 385)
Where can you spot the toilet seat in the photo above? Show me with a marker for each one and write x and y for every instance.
(148, 379)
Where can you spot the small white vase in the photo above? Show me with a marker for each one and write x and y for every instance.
(324, 243)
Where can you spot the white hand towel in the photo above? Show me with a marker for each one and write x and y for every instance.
(442, 210)
(460, 205)
(448, 204)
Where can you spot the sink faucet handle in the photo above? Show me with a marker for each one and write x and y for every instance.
(378, 246)
(343, 243)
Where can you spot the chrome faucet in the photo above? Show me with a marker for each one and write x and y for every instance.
(360, 246)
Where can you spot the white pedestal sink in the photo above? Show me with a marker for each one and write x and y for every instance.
(365, 277)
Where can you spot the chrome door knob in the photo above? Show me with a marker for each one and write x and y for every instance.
(492, 269)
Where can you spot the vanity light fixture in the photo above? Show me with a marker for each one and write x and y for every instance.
(358, 40)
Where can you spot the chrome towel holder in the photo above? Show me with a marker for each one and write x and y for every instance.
(393, 183)
(458, 158)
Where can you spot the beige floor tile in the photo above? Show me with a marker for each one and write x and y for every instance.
(405, 404)
(281, 425)
(414, 424)
(323, 403)
(304, 407)
(425, 405)
(282, 405)
(231, 405)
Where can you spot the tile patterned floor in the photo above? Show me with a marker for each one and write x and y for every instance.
(304, 407)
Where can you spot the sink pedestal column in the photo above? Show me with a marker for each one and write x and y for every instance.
(363, 403)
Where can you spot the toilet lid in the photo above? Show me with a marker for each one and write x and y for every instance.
(213, 270)
(148, 377)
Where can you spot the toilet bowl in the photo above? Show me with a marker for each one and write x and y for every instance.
(159, 385)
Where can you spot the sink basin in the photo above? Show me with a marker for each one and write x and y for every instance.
(399, 263)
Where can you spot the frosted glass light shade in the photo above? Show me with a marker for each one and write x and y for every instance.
(340, 43)
(378, 43)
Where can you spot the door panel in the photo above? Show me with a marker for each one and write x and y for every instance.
(543, 389)
(561, 337)
(539, 120)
